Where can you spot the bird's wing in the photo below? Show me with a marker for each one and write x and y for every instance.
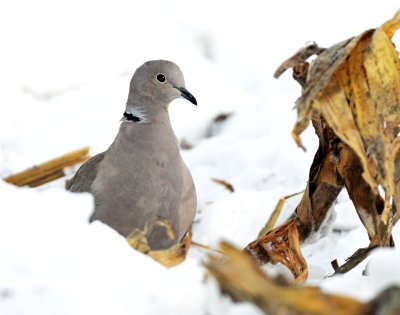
(84, 177)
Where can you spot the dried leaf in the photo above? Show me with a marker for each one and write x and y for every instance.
(168, 257)
(319, 76)
(281, 245)
(299, 57)
(391, 26)
(333, 106)
(355, 85)
(174, 255)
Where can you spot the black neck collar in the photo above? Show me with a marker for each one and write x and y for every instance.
(132, 117)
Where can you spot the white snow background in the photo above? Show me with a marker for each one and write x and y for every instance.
(65, 68)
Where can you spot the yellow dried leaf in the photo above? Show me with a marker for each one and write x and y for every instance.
(169, 257)
(319, 76)
(374, 70)
(355, 85)
(334, 108)
(174, 255)
(391, 26)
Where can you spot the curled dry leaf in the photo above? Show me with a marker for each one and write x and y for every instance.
(281, 245)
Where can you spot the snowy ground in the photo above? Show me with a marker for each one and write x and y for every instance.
(65, 71)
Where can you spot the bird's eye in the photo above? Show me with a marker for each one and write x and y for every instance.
(160, 77)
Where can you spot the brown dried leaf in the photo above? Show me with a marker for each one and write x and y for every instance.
(281, 245)
(299, 57)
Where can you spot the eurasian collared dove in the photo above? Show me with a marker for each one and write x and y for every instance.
(141, 179)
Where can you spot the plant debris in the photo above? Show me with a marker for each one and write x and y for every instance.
(48, 171)
(224, 183)
(169, 257)
(276, 213)
(351, 94)
(241, 278)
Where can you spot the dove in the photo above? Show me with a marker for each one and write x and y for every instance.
(141, 179)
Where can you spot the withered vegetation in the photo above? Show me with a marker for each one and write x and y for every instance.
(239, 276)
(48, 171)
(351, 94)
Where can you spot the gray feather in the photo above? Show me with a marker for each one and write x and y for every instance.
(84, 177)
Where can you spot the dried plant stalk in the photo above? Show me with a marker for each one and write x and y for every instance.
(241, 278)
(353, 261)
(276, 213)
(48, 171)
(224, 183)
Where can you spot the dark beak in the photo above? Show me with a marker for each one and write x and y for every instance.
(186, 94)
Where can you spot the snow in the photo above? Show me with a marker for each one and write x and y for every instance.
(65, 72)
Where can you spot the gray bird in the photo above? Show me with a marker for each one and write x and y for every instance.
(141, 179)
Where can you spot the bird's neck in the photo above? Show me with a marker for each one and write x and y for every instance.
(144, 108)
(146, 114)
(136, 114)
(133, 129)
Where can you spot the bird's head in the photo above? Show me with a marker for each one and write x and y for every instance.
(156, 84)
